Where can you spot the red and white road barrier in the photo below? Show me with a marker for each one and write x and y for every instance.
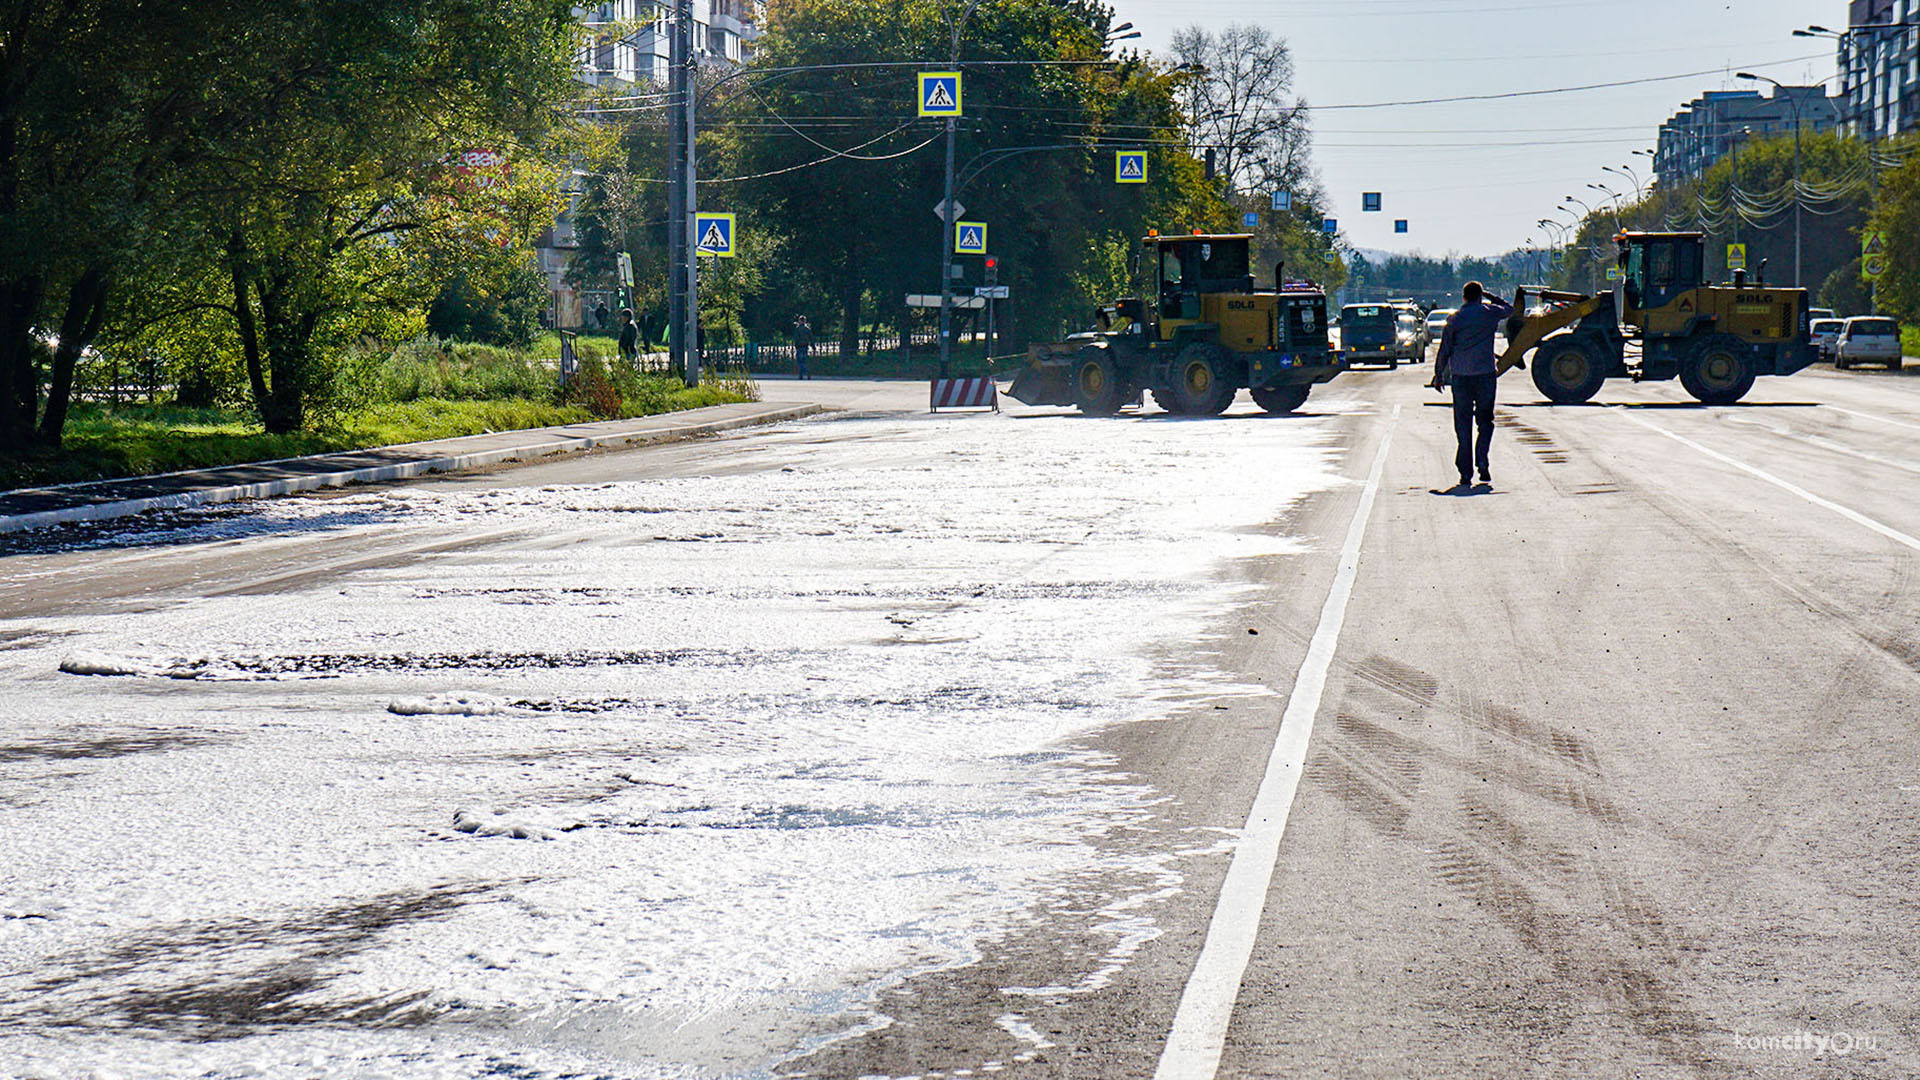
(964, 394)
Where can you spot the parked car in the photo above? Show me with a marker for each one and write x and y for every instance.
(1825, 333)
(1868, 339)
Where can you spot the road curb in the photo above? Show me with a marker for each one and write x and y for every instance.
(401, 470)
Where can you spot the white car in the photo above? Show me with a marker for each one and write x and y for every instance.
(1437, 322)
(1868, 339)
(1825, 332)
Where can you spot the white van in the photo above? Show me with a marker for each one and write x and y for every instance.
(1868, 339)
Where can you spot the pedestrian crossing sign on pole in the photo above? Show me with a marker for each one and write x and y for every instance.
(714, 235)
(1130, 166)
(1736, 256)
(1873, 256)
(969, 238)
(940, 93)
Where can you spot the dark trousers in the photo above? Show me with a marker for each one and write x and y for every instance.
(800, 360)
(1473, 406)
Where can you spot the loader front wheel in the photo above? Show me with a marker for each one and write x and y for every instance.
(1199, 382)
(1098, 388)
(1718, 370)
(1280, 399)
(1567, 372)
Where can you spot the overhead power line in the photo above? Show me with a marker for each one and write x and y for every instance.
(1512, 94)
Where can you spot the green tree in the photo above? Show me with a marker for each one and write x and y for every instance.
(1897, 218)
(104, 109)
(847, 176)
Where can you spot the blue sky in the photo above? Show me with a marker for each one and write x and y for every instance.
(1474, 178)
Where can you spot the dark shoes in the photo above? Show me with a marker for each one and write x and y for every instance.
(1484, 477)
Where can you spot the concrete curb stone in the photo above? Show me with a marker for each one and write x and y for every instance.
(108, 499)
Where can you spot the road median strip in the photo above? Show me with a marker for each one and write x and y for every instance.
(98, 501)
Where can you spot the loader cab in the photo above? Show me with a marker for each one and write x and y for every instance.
(1658, 268)
(1193, 266)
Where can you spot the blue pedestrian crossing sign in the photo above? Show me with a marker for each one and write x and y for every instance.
(969, 238)
(1130, 166)
(714, 235)
(939, 93)
(1330, 226)
(1400, 225)
(1251, 220)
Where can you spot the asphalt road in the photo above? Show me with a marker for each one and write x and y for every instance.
(1608, 770)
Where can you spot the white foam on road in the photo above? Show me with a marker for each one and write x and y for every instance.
(690, 773)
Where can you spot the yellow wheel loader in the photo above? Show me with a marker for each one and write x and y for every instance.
(1715, 338)
(1208, 334)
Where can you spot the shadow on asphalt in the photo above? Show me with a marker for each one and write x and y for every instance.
(1462, 491)
(192, 525)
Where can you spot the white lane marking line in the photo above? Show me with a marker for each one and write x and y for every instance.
(1199, 1034)
(1825, 444)
(1854, 516)
(1874, 418)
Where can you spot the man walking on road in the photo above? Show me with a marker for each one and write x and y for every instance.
(1466, 360)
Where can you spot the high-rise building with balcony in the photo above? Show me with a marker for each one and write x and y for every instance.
(630, 45)
(1880, 68)
(1718, 121)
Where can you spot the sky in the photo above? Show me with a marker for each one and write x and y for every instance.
(1473, 178)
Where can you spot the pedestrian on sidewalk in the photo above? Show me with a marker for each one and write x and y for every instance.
(802, 341)
(629, 338)
(1466, 361)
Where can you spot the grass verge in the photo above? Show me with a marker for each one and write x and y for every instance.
(105, 442)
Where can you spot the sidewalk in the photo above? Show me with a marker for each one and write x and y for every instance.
(34, 508)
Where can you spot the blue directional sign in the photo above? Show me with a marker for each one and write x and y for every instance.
(713, 234)
(1370, 202)
(1251, 221)
(970, 238)
(1283, 200)
(1330, 226)
(940, 93)
(1400, 225)
(1130, 166)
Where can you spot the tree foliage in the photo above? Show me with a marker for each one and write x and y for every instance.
(1897, 218)
(290, 169)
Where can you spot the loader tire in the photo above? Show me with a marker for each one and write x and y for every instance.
(1567, 372)
(1718, 370)
(1098, 387)
(1198, 383)
(1279, 400)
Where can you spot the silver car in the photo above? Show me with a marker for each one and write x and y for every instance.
(1868, 339)
(1825, 333)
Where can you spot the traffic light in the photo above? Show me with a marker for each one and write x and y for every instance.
(993, 269)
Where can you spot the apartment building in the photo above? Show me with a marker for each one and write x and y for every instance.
(1713, 124)
(1880, 68)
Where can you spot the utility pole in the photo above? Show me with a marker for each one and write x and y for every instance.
(947, 208)
(683, 264)
(1781, 91)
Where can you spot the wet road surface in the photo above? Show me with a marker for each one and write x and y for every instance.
(894, 745)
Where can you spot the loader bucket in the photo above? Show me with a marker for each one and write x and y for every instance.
(1043, 383)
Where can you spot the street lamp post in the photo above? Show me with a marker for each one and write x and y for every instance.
(1793, 102)
(1615, 196)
